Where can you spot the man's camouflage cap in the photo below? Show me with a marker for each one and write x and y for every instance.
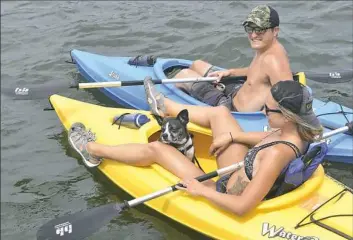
(263, 16)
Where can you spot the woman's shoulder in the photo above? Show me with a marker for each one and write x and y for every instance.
(288, 146)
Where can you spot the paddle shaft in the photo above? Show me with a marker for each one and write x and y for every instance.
(38, 92)
(347, 128)
(173, 188)
(158, 81)
(342, 76)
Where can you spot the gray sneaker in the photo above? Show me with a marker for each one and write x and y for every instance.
(78, 139)
(154, 99)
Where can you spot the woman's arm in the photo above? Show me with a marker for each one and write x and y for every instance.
(254, 192)
(222, 141)
(249, 138)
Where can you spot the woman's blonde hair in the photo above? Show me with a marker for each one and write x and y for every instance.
(307, 132)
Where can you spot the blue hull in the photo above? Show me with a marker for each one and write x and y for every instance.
(98, 68)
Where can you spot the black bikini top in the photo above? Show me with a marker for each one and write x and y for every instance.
(251, 154)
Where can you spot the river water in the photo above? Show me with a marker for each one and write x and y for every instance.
(41, 177)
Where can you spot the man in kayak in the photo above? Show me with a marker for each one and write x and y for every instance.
(288, 108)
(269, 65)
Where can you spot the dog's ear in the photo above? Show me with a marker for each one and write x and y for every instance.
(159, 119)
(183, 117)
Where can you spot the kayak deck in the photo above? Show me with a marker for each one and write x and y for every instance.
(195, 212)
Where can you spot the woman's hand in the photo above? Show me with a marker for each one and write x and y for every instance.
(220, 143)
(219, 75)
(193, 187)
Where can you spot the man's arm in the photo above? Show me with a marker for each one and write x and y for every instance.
(277, 68)
(230, 72)
(238, 71)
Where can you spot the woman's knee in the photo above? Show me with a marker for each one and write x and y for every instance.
(220, 112)
(154, 147)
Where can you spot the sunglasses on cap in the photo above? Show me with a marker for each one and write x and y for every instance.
(267, 110)
(257, 30)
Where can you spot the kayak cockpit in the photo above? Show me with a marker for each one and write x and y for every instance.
(202, 140)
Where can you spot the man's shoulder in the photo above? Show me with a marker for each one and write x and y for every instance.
(276, 56)
(277, 53)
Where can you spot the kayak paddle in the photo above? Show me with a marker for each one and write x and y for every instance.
(82, 224)
(30, 93)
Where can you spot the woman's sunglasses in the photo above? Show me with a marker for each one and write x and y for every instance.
(267, 110)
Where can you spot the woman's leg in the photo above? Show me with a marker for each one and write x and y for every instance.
(146, 154)
(219, 119)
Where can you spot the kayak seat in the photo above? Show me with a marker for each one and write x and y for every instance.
(299, 170)
(147, 61)
(170, 72)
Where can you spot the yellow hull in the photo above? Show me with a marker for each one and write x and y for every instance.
(197, 213)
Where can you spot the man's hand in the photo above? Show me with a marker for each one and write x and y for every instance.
(219, 74)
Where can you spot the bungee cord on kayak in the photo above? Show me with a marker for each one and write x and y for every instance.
(319, 221)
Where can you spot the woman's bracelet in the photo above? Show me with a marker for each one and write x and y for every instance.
(231, 137)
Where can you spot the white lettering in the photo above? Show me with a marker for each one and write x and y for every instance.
(272, 232)
(63, 228)
(294, 237)
(282, 234)
(114, 75)
(21, 91)
(335, 75)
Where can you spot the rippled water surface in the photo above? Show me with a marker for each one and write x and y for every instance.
(41, 177)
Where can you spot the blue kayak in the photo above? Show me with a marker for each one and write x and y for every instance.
(99, 68)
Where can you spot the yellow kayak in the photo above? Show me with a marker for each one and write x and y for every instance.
(276, 218)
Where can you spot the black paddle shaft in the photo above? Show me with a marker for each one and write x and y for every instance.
(199, 178)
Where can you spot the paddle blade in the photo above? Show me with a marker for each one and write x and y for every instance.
(38, 92)
(79, 225)
(331, 77)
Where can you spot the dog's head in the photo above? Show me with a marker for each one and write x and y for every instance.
(173, 129)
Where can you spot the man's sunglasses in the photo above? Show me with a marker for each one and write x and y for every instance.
(255, 29)
(267, 110)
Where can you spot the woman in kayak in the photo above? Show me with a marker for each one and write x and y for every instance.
(288, 109)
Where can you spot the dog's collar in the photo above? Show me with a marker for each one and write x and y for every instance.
(178, 146)
(188, 148)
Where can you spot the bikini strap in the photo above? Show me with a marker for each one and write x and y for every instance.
(293, 146)
(250, 156)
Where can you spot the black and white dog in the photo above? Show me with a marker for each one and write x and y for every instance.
(175, 133)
